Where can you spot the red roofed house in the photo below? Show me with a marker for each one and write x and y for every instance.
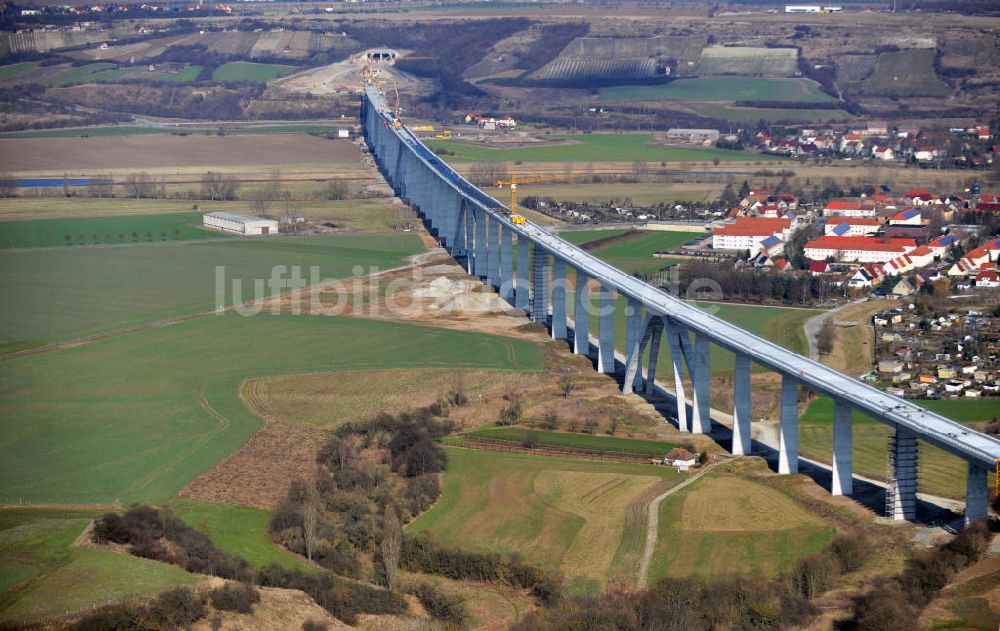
(908, 217)
(746, 232)
(819, 267)
(973, 260)
(846, 207)
(859, 249)
(851, 226)
(988, 278)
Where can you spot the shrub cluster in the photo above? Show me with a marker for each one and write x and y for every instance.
(448, 608)
(146, 530)
(239, 598)
(423, 555)
(342, 598)
(681, 604)
(902, 598)
(390, 459)
(175, 609)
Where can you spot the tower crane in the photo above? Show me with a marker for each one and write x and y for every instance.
(514, 181)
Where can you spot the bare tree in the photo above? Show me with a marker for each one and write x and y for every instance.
(310, 518)
(260, 202)
(825, 337)
(391, 548)
(139, 185)
(219, 186)
(336, 190)
(291, 214)
(488, 173)
(566, 386)
(8, 185)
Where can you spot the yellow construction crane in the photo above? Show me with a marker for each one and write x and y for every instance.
(513, 182)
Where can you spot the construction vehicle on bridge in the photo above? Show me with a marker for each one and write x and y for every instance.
(515, 217)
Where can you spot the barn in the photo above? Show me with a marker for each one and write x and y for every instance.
(240, 224)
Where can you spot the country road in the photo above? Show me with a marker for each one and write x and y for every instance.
(653, 526)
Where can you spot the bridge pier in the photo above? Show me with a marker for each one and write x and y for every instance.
(521, 293)
(843, 449)
(480, 258)
(581, 316)
(605, 331)
(635, 330)
(901, 498)
(558, 298)
(702, 422)
(741, 407)
(540, 285)
(788, 438)
(493, 252)
(506, 263)
(677, 362)
(655, 334)
(470, 239)
(976, 495)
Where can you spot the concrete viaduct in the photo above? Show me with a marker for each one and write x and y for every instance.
(472, 227)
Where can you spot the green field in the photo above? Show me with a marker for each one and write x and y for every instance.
(79, 74)
(237, 530)
(247, 71)
(54, 295)
(103, 230)
(722, 89)
(725, 525)
(905, 73)
(636, 255)
(136, 416)
(736, 114)
(42, 576)
(582, 517)
(13, 70)
(590, 148)
(581, 237)
(576, 441)
(939, 472)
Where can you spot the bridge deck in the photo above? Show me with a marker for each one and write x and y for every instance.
(936, 429)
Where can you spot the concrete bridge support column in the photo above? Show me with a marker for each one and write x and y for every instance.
(470, 238)
(558, 298)
(843, 450)
(506, 263)
(581, 316)
(605, 331)
(702, 421)
(901, 498)
(655, 334)
(635, 330)
(480, 258)
(540, 285)
(788, 438)
(677, 362)
(492, 252)
(522, 297)
(741, 406)
(976, 496)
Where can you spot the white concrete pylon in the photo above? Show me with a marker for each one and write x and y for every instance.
(741, 406)
(788, 435)
(558, 299)
(843, 449)
(581, 316)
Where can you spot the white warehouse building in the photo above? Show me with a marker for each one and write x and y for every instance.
(240, 224)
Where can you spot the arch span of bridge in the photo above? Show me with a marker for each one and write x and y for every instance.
(473, 226)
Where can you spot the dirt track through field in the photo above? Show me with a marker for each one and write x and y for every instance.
(158, 151)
